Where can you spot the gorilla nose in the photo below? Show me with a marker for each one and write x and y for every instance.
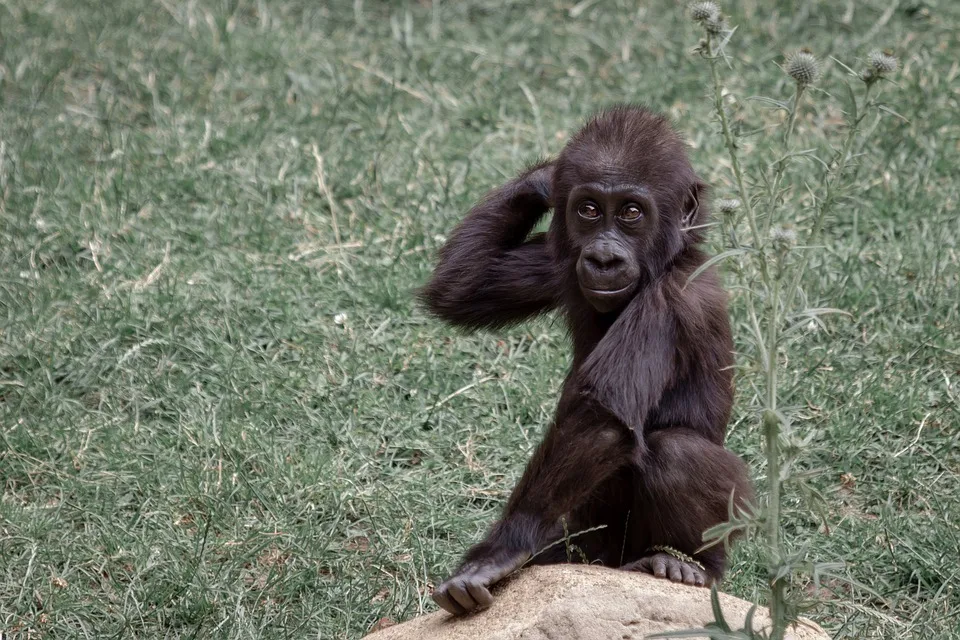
(604, 258)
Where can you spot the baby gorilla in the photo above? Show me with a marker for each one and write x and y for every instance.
(636, 448)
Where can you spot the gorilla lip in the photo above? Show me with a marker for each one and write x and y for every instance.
(608, 292)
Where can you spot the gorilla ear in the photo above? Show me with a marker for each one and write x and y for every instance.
(690, 212)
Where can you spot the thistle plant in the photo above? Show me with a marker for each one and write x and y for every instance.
(804, 68)
(770, 258)
(704, 12)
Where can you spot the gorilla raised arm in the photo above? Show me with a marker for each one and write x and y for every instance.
(490, 274)
(636, 447)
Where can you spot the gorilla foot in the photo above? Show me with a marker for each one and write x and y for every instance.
(665, 565)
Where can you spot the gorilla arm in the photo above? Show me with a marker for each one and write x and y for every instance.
(490, 274)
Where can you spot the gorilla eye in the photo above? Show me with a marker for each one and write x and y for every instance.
(588, 210)
(630, 213)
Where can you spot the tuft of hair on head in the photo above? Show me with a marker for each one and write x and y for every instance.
(624, 124)
(630, 143)
(629, 138)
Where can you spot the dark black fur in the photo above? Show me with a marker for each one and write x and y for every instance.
(637, 442)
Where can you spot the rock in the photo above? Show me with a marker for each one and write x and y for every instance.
(585, 603)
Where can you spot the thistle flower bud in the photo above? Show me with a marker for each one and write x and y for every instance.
(783, 239)
(882, 62)
(879, 64)
(727, 206)
(704, 12)
(803, 67)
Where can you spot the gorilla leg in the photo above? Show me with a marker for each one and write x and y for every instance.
(582, 452)
(594, 532)
(685, 484)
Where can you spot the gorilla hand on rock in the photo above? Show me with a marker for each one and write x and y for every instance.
(468, 590)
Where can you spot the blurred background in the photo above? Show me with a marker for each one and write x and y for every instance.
(222, 414)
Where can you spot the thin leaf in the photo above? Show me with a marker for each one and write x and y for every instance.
(698, 633)
(739, 518)
(886, 109)
(806, 153)
(729, 253)
(754, 132)
(718, 618)
(748, 621)
(783, 571)
(853, 102)
(785, 423)
(771, 101)
(719, 533)
(851, 71)
(796, 326)
(859, 585)
(685, 633)
(819, 311)
(728, 36)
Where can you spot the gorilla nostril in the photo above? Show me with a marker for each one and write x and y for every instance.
(605, 262)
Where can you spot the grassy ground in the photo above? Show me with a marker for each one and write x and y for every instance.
(221, 414)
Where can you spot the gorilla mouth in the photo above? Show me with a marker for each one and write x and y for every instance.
(605, 293)
(607, 300)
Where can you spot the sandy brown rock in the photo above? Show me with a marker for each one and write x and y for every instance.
(584, 603)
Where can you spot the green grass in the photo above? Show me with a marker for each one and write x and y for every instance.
(194, 442)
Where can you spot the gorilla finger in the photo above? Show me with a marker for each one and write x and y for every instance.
(636, 565)
(446, 603)
(480, 594)
(459, 593)
(700, 579)
(659, 567)
(673, 570)
(689, 574)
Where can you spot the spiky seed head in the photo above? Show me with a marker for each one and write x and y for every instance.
(879, 64)
(882, 62)
(803, 67)
(704, 12)
(727, 206)
(783, 238)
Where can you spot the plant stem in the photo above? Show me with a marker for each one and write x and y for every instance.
(771, 423)
(731, 144)
(829, 198)
(771, 419)
(781, 165)
(779, 301)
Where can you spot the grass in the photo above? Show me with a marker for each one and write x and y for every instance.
(221, 414)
